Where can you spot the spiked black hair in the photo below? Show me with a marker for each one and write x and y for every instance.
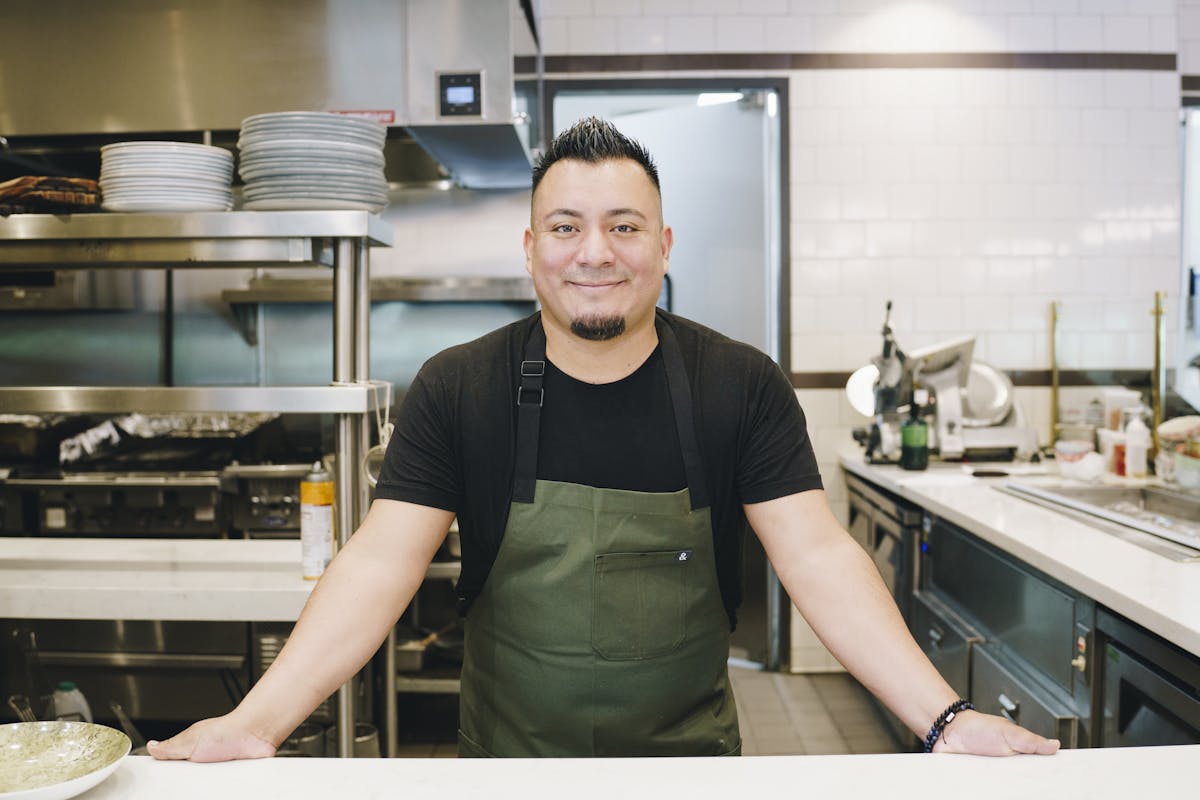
(594, 140)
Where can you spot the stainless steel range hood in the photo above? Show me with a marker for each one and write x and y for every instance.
(441, 68)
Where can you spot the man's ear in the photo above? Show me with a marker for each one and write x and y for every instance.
(529, 251)
(668, 241)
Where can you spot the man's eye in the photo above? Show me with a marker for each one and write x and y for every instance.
(624, 228)
(563, 228)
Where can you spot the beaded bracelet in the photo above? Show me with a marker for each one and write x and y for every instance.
(944, 719)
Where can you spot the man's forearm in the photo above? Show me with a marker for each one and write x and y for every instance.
(839, 592)
(360, 596)
(846, 603)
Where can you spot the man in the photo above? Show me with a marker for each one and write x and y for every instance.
(601, 457)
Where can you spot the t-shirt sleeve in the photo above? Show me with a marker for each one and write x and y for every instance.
(419, 466)
(776, 458)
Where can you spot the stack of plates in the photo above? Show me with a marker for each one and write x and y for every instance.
(165, 176)
(312, 160)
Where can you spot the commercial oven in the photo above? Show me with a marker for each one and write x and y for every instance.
(888, 528)
(1029, 639)
(1149, 689)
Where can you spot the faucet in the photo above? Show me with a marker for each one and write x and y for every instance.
(1158, 378)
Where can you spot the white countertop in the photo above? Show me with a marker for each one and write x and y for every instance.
(1098, 773)
(1150, 589)
(151, 579)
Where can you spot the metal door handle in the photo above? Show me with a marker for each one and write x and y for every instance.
(935, 638)
(1008, 709)
(142, 660)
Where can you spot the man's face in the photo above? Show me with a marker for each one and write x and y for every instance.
(596, 247)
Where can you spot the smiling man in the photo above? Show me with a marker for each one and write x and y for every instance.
(602, 458)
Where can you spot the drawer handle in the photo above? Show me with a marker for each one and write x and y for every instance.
(935, 638)
(1008, 709)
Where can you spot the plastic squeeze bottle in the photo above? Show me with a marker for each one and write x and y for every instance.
(70, 704)
(1137, 448)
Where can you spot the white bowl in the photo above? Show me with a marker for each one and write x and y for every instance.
(1187, 471)
(57, 760)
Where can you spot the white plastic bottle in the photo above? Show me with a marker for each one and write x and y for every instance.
(1137, 448)
(70, 704)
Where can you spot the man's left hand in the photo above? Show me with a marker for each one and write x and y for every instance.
(989, 735)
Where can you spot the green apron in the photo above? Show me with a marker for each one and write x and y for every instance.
(600, 630)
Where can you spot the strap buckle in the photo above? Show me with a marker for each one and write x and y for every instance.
(533, 372)
(521, 392)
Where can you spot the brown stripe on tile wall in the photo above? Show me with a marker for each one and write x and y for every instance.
(1189, 83)
(677, 62)
(1023, 377)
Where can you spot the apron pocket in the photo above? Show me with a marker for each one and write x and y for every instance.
(638, 604)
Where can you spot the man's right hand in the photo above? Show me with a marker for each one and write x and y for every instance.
(216, 739)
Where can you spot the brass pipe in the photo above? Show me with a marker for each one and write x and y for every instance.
(1158, 380)
(1053, 371)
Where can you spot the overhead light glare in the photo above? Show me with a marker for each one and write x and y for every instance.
(717, 98)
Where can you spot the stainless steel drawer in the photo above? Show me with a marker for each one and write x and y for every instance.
(1000, 686)
(946, 639)
(1007, 600)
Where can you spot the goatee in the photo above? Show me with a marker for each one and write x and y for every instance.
(598, 329)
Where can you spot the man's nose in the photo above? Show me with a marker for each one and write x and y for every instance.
(595, 250)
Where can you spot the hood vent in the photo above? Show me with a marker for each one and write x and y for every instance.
(443, 69)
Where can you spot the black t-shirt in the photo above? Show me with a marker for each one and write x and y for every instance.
(453, 445)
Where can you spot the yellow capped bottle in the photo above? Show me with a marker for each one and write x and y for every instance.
(316, 522)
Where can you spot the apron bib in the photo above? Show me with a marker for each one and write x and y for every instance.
(600, 630)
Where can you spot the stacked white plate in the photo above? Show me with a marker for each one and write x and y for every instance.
(312, 160)
(165, 176)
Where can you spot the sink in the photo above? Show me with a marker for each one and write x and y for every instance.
(1164, 520)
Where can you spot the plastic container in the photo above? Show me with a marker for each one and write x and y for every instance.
(1117, 399)
(1137, 448)
(1187, 471)
(70, 704)
(1108, 446)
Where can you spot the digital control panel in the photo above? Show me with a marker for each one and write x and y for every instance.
(460, 94)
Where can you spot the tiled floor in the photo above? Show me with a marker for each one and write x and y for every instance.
(782, 714)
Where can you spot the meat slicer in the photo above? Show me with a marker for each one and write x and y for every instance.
(972, 409)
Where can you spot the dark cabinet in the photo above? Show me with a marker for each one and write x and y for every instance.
(888, 528)
(1037, 630)
(946, 638)
(1019, 643)
(1001, 686)
(1150, 690)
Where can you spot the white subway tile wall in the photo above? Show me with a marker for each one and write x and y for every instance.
(972, 198)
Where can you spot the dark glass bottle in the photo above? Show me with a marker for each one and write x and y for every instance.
(914, 435)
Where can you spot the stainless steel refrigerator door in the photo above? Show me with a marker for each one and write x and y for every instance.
(719, 169)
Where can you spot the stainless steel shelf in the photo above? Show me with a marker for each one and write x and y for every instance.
(350, 399)
(204, 239)
(443, 570)
(418, 685)
(419, 290)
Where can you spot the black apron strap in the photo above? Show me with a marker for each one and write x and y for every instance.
(681, 400)
(530, 394)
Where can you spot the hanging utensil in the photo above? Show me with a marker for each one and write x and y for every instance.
(19, 703)
(135, 737)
